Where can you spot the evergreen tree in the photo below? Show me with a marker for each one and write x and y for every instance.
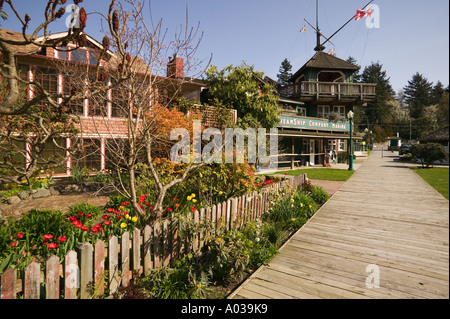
(356, 75)
(418, 95)
(379, 111)
(285, 73)
(436, 92)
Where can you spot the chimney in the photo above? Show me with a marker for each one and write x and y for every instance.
(175, 68)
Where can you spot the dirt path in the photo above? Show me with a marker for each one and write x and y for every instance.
(330, 187)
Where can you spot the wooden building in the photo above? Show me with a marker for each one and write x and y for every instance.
(315, 107)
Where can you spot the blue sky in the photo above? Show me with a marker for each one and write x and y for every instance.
(413, 35)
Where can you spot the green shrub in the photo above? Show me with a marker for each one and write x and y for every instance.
(319, 195)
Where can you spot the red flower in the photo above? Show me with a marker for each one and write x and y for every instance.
(94, 229)
(177, 205)
(175, 199)
(48, 237)
(108, 222)
(106, 216)
(285, 173)
(169, 209)
(110, 209)
(84, 228)
(52, 246)
(62, 239)
(14, 243)
(77, 223)
(193, 209)
(89, 215)
(20, 235)
(72, 218)
(80, 214)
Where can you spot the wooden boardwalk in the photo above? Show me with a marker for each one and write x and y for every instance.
(384, 223)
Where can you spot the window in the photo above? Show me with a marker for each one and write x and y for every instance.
(119, 101)
(48, 78)
(339, 110)
(54, 154)
(90, 155)
(93, 58)
(342, 145)
(63, 53)
(70, 84)
(323, 111)
(79, 56)
(301, 111)
(97, 105)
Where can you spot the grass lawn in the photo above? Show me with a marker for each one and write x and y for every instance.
(437, 177)
(330, 174)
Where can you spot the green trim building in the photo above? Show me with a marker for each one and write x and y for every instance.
(315, 105)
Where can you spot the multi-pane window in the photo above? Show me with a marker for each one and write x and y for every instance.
(323, 111)
(73, 85)
(48, 79)
(89, 156)
(339, 110)
(119, 101)
(54, 154)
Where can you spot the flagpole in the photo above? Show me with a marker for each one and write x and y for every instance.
(345, 23)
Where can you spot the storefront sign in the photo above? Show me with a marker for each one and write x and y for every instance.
(312, 124)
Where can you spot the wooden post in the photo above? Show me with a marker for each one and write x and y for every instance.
(52, 274)
(147, 250)
(125, 258)
(136, 251)
(71, 274)
(113, 254)
(85, 261)
(99, 267)
(32, 281)
(156, 243)
(165, 240)
(8, 284)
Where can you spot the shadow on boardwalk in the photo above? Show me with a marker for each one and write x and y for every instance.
(384, 234)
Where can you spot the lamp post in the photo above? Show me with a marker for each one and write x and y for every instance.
(366, 137)
(350, 156)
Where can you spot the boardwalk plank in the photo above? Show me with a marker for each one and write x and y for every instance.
(384, 215)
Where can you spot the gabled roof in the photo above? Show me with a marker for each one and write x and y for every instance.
(322, 60)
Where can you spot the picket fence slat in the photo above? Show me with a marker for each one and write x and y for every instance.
(52, 274)
(113, 253)
(99, 267)
(84, 269)
(32, 281)
(8, 284)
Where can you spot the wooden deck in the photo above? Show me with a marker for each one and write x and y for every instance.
(384, 218)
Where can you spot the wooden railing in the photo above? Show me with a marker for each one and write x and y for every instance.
(92, 270)
(338, 90)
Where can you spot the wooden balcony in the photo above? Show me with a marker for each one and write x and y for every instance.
(341, 92)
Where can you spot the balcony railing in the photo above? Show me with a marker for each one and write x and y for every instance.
(330, 90)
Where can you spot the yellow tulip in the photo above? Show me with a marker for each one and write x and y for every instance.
(189, 197)
(194, 201)
(220, 193)
(123, 225)
(134, 219)
(193, 195)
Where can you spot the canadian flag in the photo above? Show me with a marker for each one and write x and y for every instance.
(363, 13)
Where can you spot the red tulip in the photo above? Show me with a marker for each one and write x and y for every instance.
(52, 246)
(84, 228)
(62, 239)
(108, 222)
(72, 218)
(89, 215)
(48, 237)
(80, 214)
(20, 235)
(169, 209)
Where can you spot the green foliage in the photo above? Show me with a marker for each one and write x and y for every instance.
(429, 153)
(418, 95)
(285, 73)
(437, 177)
(319, 195)
(241, 88)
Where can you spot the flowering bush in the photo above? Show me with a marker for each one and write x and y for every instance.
(43, 233)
